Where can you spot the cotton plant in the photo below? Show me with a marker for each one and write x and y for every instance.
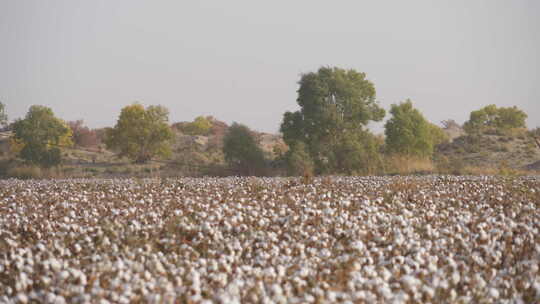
(437, 239)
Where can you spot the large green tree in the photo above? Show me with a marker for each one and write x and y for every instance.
(242, 151)
(41, 134)
(409, 133)
(141, 134)
(493, 118)
(335, 107)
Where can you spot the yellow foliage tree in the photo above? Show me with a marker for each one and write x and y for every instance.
(141, 134)
(39, 136)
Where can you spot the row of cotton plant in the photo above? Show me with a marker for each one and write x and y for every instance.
(271, 240)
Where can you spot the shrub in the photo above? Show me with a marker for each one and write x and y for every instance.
(200, 126)
(242, 151)
(493, 118)
(82, 135)
(299, 161)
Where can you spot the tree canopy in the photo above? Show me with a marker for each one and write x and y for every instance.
(40, 134)
(199, 126)
(335, 106)
(82, 135)
(409, 133)
(242, 151)
(493, 118)
(299, 161)
(140, 133)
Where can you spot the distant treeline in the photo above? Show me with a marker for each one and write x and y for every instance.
(327, 135)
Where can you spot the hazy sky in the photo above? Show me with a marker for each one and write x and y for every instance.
(241, 60)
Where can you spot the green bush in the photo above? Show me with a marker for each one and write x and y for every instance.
(492, 118)
(242, 151)
(200, 126)
(299, 161)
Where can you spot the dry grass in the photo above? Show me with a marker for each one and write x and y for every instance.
(405, 165)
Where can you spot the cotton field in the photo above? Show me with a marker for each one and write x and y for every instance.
(271, 240)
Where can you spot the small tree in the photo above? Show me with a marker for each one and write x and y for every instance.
(199, 126)
(491, 118)
(242, 152)
(437, 134)
(140, 133)
(82, 135)
(39, 136)
(3, 116)
(408, 132)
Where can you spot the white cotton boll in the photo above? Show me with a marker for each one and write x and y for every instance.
(432, 267)
(22, 298)
(406, 269)
(55, 264)
(331, 296)
(147, 275)
(82, 279)
(455, 278)
(46, 280)
(493, 293)
(386, 292)
(276, 289)
(430, 292)
(119, 264)
(479, 281)
(325, 253)
(303, 272)
(410, 282)
(158, 267)
(399, 239)
(59, 300)
(40, 247)
(50, 297)
(536, 287)
(64, 275)
(385, 274)
(281, 271)
(533, 268)
(309, 298)
(401, 298)
(358, 245)
(346, 203)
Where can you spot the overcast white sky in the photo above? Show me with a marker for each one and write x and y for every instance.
(241, 60)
